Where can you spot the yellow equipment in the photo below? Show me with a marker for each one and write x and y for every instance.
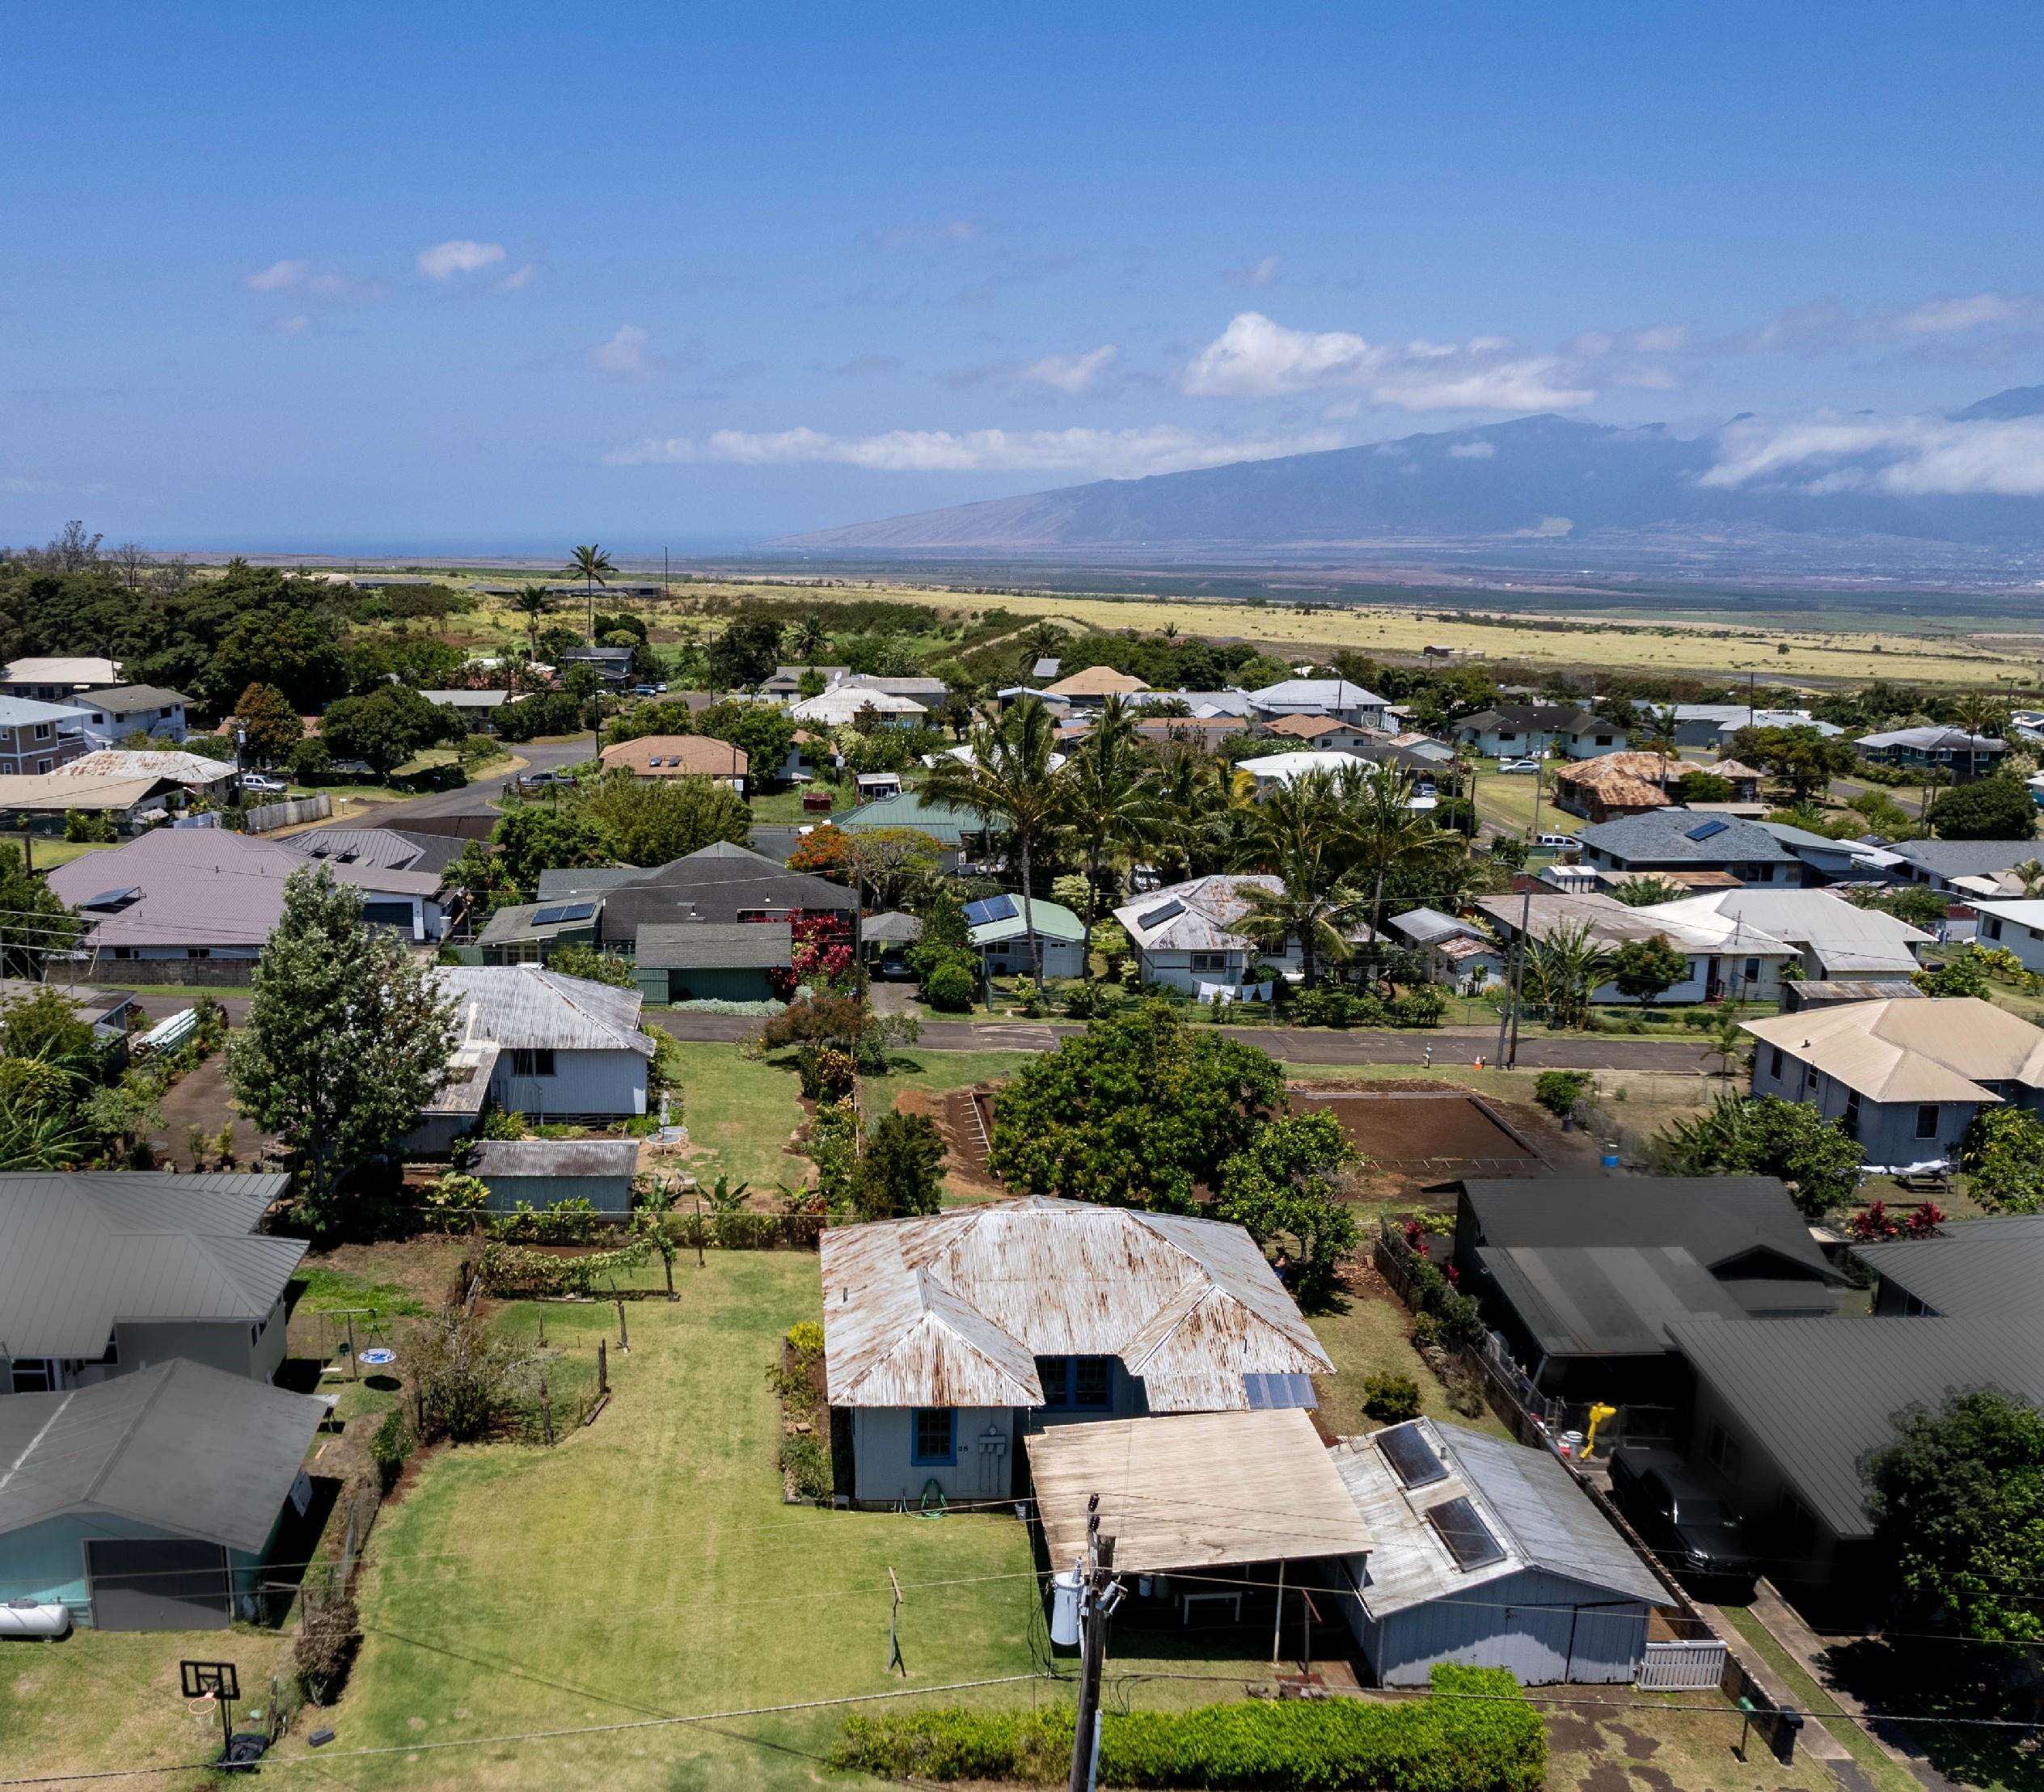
(1598, 1415)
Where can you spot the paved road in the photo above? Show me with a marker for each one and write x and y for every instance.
(1288, 1046)
(477, 797)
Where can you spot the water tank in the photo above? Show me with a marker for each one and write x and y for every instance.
(28, 1617)
(1064, 1608)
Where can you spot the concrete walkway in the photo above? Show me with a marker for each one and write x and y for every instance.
(1815, 1740)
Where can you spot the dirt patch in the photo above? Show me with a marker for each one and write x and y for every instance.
(1417, 1138)
(961, 1118)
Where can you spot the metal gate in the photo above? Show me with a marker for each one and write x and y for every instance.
(1691, 1666)
(158, 1584)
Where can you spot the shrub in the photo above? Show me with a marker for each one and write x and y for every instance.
(806, 1339)
(1391, 1399)
(950, 988)
(1558, 1090)
(328, 1637)
(497, 1124)
(826, 1074)
(2002, 1155)
(389, 1446)
(454, 1199)
(807, 1464)
(1489, 1740)
(1421, 1005)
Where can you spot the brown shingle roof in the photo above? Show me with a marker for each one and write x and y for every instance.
(676, 756)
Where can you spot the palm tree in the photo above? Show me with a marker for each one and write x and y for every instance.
(1110, 801)
(1385, 833)
(534, 602)
(593, 567)
(2029, 876)
(1563, 971)
(1980, 712)
(1007, 777)
(1297, 835)
(810, 640)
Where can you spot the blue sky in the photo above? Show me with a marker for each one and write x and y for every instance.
(372, 277)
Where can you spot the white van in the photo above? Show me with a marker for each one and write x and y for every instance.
(1558, 843)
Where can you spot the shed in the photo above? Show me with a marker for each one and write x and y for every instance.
(713, 961)
(997, 930)
(540, 1172)
(1485, 1551)
(148, 1502)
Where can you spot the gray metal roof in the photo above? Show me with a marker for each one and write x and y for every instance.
(517, 1157)
(1424, 926)
(1604, 1300)
(522, 1005)
(1717, 1219)
(179, 1446)
(586, 880)
(79, 1253)
(519, 921)
(716, 945)
(1524, 1497)
(1817, 1395)
(1966, 858)
(388, 848)
(1663, 836)
(125, 699)
(891, 928)
(1976, 1269)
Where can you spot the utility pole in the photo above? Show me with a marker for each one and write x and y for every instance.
(1518, 976)
(1098, 1595)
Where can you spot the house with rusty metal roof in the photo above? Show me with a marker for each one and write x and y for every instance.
(948, 1337)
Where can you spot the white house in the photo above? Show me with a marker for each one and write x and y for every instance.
(843, 704)
(995, 930)
(1184, 937)
(2018, 926)
(1271, 770)
(1721, 957)
(57, 680)
(946, 1337)
(113, 714)
(1336, 697)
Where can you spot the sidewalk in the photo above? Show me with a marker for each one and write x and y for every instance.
(1816, 1739)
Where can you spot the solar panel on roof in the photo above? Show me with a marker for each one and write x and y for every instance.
(1158, 916)
(988, 909)
(1411, 1457)
(578, 911)
(113, 899)
(547, 917)
(1458, 1524)
(1265, 1391)
(1705, 830)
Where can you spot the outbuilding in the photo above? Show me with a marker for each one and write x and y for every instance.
(541, 1173)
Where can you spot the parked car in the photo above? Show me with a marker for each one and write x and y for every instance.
(1518, 765)
(257, 783)
(1558, 843)
(647, 690)
(541, 780)
(1689, 1527)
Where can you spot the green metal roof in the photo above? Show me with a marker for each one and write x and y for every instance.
(944, 822)
(1051, 920)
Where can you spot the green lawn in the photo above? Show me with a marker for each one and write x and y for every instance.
(740, 1113)
(1873, 1760)
(646, 1567)
(49, 854)
(785, 806)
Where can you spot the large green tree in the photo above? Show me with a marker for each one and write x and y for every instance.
(34, 922)
(386, 728)
(1281, 1190)
(652, 820)
(593, 567)
(1763, 1135)
(347, 1038)
(273, 728)
(1139, 1110)
(745, 653)
(1801, 758)
(1386, 835)
(1110, 804)
(1999, 808)
(1297, 835)
(1958, 1508)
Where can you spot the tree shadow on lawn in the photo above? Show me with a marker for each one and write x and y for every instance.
(1947, 1678)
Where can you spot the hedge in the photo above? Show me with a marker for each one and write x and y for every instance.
(1487, 1739)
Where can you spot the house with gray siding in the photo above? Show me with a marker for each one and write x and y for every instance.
(1485, 1553)
(564, 1048)
(1689, 840)
(106, 1272)
(1535, 730)
(713, 960)
(150, 1503)
(1904, 1078)
(949, 1338)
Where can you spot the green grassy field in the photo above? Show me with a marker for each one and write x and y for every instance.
(740, 1113)
(49, 854)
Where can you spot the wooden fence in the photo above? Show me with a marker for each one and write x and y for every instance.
(266, 817)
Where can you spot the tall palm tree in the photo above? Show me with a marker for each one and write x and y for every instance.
(1386, 833)
(1981, 712)
(536, 603)
(1110, 801)
(1007, 778)
(1297, 835)
(810, 640)
(593, 567)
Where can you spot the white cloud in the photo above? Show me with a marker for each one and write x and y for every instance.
(458, 256)
(1917, 456)
(1951, 316)
(15, 486)
(517, 280)
(1072, 373)
(296, 324)
(278, 276)
(924, 236)
(1255, 273)
(628, 355)
(1473, 450)
(1112, 454)
(1257, 357)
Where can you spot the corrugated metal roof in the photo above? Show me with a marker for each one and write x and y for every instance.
(516, 1157)
(525, 1007)
(716, 945)
(179, 1446)
(1195, 1490)
(1664, 835)
(1941, 1050)
(115, 762)
(953, 1309)
(1095, 681)
(1606, 1299)
(1197, 916)
(79, 1253)
(1979, 1268)
(1538, 1517)
(1818, 1394)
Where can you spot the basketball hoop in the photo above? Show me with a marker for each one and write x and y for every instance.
(204, 1703)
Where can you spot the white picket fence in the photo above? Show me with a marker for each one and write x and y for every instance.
(1695, 1665)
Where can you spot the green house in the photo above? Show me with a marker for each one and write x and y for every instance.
(713, 961)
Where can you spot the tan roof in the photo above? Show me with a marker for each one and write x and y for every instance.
(676, 756)
(1612, 785)
(1194, 1491)
(1095, 681)
(1937, 1050)
(49, 791)
(1307, 728)
(953, 1310)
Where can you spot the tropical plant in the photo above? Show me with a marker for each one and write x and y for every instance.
(536, 603)
(1763, 1135)
(2002, 1155)
(1007, 777)
(811, 638)
(1563, 971)
(1981, 713)
(1110, 805)
(1645, 891)
(593, 567)
(1385, 834)
(1644, 969)
(1296, 835)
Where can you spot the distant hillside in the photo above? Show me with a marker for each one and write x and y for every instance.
(1538, 476)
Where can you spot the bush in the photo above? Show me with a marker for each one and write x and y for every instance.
(1391, 1399)
(950, 988)
(1490, 1740)
(2002, 1155)
(806, 1339)
(807, 1464)
(1558, 1090)
(390, 1447)
(825, 1073)
(328, 1637)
